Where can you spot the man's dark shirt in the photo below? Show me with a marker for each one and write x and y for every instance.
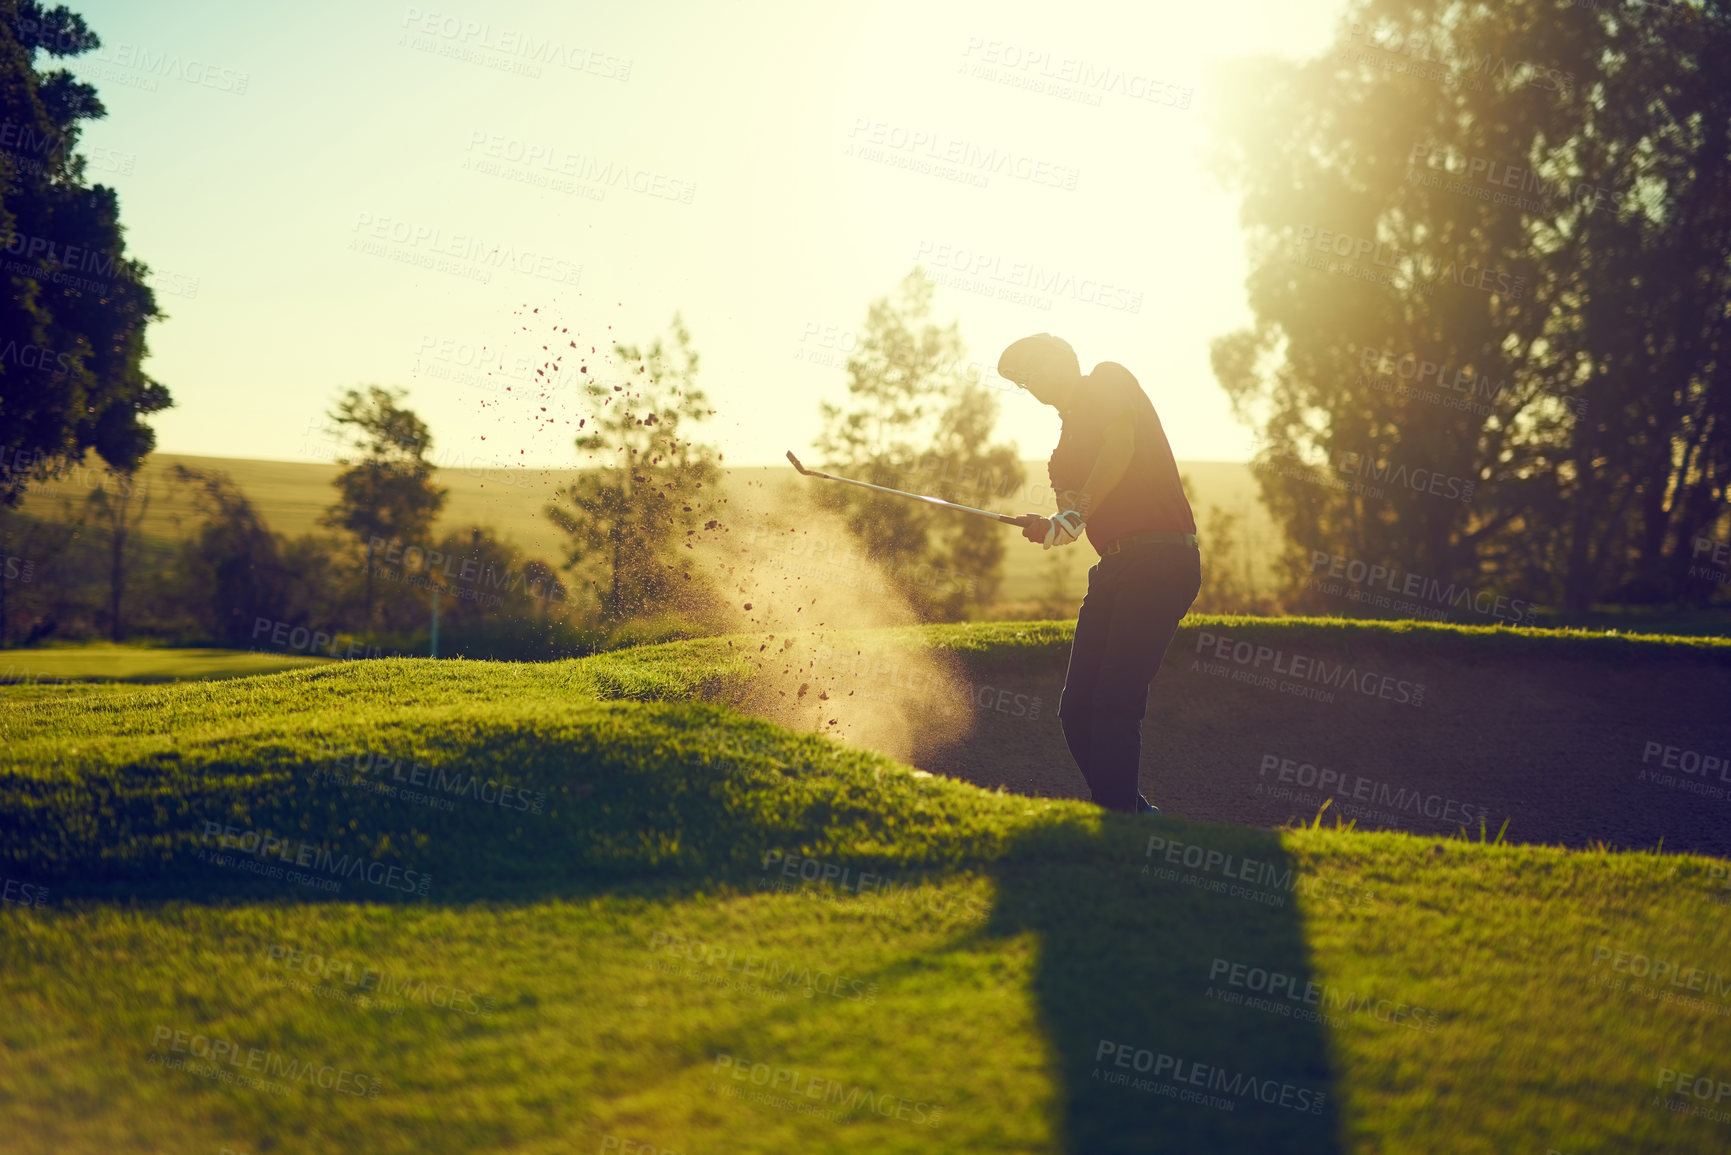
(1150, 495)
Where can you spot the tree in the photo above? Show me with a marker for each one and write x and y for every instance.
(114, 513)
(317, 585)
(1056, 600)
(1489, 248)
(387, 494)
(232, 571)
(72, 324)
(32, 551)
(483, 578)
(647, 488)
(1226, 584)
(915, 421)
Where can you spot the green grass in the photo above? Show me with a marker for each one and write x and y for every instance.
(1336, 636)
(618, 946)
(101, 662)
(673, 669)
(607, 1012)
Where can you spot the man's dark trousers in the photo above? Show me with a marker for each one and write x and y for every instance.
(1135, 600)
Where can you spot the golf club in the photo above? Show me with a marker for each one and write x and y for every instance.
(1026, 519)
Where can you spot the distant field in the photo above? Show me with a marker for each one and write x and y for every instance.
(107, 663)
(292, 496)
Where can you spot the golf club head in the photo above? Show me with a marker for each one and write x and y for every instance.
(796, 463)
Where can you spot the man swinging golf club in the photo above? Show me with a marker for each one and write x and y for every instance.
(1114, 476)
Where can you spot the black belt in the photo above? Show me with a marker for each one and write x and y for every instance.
(1150, 537)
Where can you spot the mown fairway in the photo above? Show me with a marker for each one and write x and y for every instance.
(648, 918)
(107, 663)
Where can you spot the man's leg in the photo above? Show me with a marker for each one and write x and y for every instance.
(1156, 588)
(1087, 649)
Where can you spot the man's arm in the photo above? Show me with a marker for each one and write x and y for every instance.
(1109, 468)
(1110, 465)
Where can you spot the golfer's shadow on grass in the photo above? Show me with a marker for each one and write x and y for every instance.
(1144, 1058)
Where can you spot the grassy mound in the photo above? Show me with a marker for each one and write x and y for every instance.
(652, 920)
(368, 763)
(483, 773)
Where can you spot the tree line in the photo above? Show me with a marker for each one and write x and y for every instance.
(1491, 279)
(648, 491)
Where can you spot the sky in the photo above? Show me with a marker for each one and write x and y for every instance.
(349, 193)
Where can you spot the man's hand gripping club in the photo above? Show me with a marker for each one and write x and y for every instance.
(1064, 529)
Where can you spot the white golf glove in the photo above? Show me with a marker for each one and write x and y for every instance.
(1063, 529)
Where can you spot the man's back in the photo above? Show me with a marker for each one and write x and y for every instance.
(1151, 495)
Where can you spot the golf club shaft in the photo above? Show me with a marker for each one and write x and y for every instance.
(1005, 518)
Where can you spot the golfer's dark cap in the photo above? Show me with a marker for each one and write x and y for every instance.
(1035, 356)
